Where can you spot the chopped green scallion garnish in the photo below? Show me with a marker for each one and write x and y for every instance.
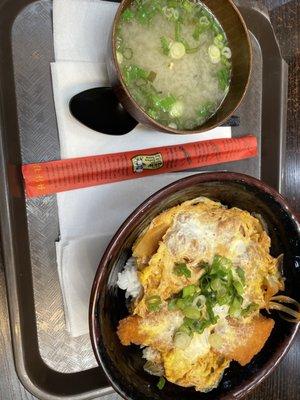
(191, 312)
(180, 269)
(200, 326)
(172, 305)
(180, 304)
(153, 303)
(166, 103)
(216, 284)
(235, 307)
(238, 287)
(252, 307)
(161, 383)
(189, 291)
(241, 274)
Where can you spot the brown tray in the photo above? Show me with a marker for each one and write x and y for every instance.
(50, 363)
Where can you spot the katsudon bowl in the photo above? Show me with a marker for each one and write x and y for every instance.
(123, 365)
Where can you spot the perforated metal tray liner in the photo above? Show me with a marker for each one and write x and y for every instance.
(49, 362)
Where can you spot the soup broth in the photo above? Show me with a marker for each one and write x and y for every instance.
(175, 60)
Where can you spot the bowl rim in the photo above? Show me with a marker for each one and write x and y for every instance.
(94, 326)
(152, 121)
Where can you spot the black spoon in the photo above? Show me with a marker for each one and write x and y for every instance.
(100, 110)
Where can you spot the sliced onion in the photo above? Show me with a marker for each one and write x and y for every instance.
(153, 368)
(279, 263)
(272, 287)
(285, 299)
(261, 220)
(182, 340)
(273, 305)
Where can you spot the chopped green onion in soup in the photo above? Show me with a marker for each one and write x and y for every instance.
(177, 109)
(120, 57)
(214, 54)
(204, 21)
(226, 52)
(175, 60)
(177, 50)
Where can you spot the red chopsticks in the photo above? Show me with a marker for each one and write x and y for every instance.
(58, 176)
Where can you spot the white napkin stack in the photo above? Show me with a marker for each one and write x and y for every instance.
(89, 217)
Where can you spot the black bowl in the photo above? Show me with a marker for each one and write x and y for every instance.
(124, 365)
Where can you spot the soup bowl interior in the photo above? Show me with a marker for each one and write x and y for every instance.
(239, 42)
(124, 365)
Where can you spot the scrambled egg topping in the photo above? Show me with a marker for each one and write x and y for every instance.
(206, 271)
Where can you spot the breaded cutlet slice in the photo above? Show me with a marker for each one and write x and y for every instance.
(242, 341)
(155, 330)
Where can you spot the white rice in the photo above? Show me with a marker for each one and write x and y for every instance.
(128, 279)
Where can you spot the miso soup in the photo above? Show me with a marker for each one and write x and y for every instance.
(175, 60)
